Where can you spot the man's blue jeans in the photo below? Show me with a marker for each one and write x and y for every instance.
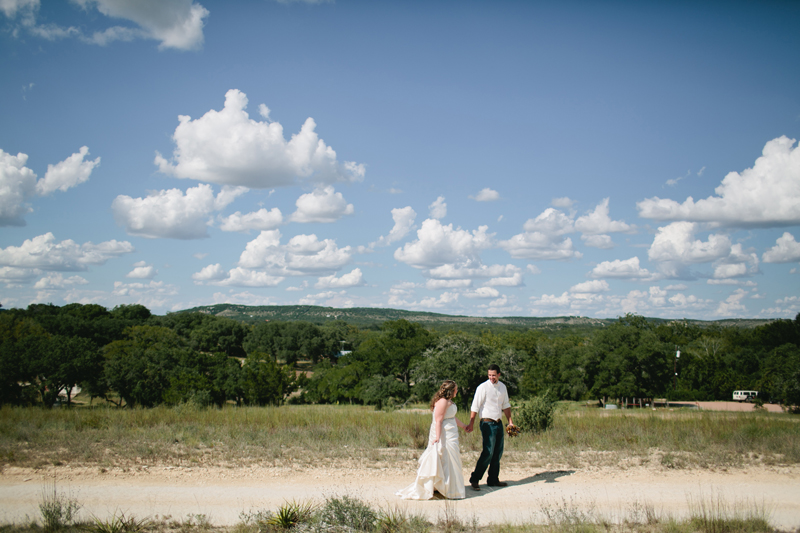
(493, 433)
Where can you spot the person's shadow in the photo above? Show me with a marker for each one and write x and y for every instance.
(547, 477)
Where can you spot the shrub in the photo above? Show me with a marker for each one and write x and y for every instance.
(536, 415)
(348, 513)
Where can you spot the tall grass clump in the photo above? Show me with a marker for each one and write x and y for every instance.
(59, 510)
(715, 515)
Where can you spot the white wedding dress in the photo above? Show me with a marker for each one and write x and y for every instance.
(440, 464)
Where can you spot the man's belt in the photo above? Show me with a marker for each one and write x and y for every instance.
(492, 420)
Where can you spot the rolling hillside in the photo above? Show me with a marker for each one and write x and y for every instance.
(372, 317)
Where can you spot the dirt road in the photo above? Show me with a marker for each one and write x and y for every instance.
(221, 494)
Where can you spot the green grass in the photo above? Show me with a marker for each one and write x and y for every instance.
(327, 435)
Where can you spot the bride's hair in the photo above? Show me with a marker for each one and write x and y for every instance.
(446, 391)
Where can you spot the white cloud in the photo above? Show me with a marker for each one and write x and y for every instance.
(500, 304)
(786, 307)
(56, 281)
(483, 292)
(174, 23)
(230, 148)
(241, 298)
(738, 263)
(486, 195)
(68, 173)
(733, 306)
(445, 299)
(731, 281)
(314, 299)
(399, 291)
(437, 284)
(593, 286)
(236, 277)
(621, 269)
(550, 222)
(14, 277)
(564, 202)
(542, 238)
(438, 245)
(597, 300)
(403, 223)
(514, 280)
(10, 8)
(245, 277)
(302, 255)
(170, 213)
(767, 195)
(213, 272)
(544, 235)
(18, 183)
(142, 270)
(151, 294)
(354, 279)
(451, 271)
(786, 250)
(533, 269)
(259, 220)
(43, 252)
(598, 222)
(603, 242)
(676, 243)
(539, 246)
(438, 209)
(321, 205)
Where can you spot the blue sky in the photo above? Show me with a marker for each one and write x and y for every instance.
(478, 158)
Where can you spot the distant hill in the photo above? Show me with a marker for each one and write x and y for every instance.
(373, 317)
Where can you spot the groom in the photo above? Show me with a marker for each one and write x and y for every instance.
(489, 404)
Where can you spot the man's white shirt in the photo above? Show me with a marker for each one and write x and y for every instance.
(490, 400)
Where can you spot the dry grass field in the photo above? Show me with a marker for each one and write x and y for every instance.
(593, 467)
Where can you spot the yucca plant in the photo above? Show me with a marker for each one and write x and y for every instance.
(118, 523)
(291, 514)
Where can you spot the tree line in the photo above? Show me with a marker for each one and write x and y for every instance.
(131, 357)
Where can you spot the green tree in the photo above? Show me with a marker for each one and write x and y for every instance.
(219, 334)
(140, 368)
(634, 362)
(465, 360)
(266, 383)
(393, 351)
(383, 391)
(336, 383)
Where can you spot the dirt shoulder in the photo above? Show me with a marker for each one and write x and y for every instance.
(223, 493)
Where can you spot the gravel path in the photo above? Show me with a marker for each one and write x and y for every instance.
(221, 494)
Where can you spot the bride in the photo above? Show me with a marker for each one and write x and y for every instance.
(440, 467)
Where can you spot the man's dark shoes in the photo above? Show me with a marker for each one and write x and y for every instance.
(498, 484)
(474, 485)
